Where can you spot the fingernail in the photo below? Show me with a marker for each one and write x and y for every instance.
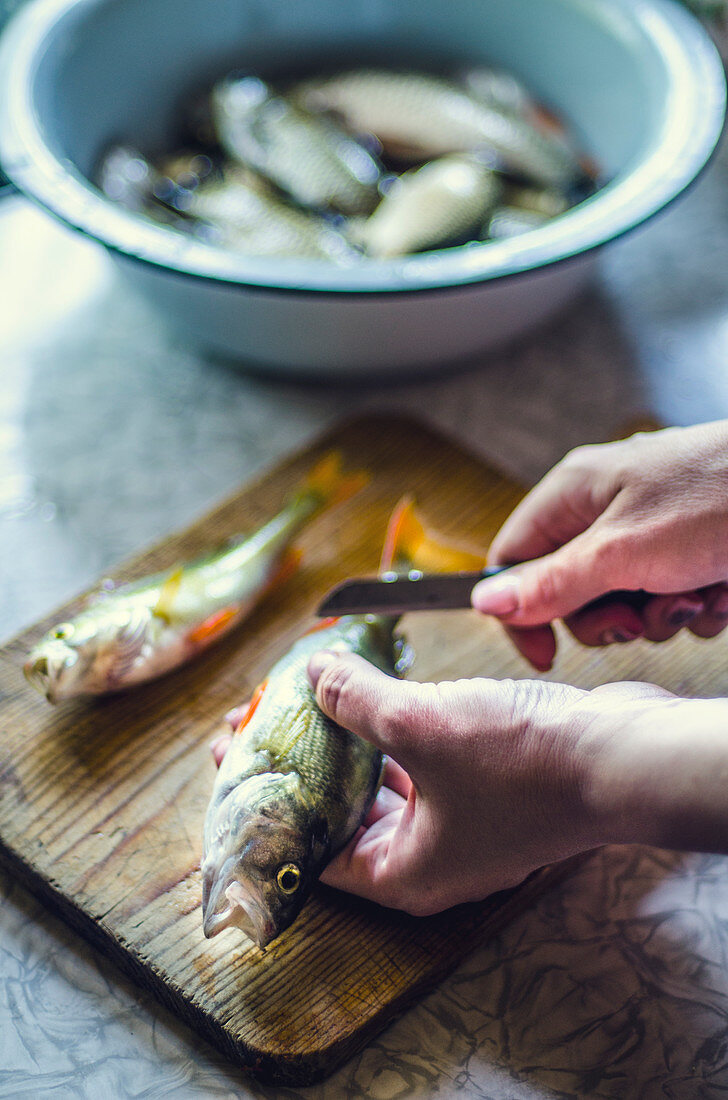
(684, 609)
(219, 747)
(617, 636)
(319, 662)
(496, 595)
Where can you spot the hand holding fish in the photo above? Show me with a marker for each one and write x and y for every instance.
(644, 513)
(493, 779)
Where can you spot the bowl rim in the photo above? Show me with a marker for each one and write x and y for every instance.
(689, 132)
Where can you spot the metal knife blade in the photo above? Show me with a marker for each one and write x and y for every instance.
(397, 593)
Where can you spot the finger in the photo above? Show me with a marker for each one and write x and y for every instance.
(235, 716)
(377, 707)
(396, 778)
(552, 587)
(605, 623)
(664, 616)
(357, 867)
(536, 643)
(220, 746)
(714, 618)
(386, 802)
(560, 507)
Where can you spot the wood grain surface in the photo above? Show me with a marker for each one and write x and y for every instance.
(102, 802)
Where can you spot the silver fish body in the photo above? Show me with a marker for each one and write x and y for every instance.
(499, 90)
(309, 157)
(129, 635)
(250, 217)
(512, 221)
(540, 200)
(419, 116)
(291, 791)
(440, 204)
(129, 178)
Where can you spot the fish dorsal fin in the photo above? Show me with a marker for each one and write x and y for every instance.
(252, 706)
(168, 594)
(408, 543)
(327, 483)
(322, 624)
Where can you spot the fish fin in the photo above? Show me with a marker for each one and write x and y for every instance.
(252, 706)
(167, 594)
(129, 644)
(322, 624)
(327, 483)
(213, 626)
(408, 543)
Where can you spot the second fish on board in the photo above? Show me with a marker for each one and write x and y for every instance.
(136, 632)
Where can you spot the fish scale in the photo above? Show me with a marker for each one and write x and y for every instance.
(321, 752)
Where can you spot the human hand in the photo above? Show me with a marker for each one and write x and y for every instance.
(482, 785)
(487, 781)
(650, 512)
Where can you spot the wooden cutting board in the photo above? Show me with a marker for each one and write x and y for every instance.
(102, 803)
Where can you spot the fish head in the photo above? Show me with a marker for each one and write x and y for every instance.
(87, 655)
(264, 849)
(56, 664)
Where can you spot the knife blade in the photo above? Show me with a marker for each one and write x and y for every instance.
(397, 593)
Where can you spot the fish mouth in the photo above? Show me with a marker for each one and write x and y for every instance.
(38, 673)
(230, 903)
(45, 668)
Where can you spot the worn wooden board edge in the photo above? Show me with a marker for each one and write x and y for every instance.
(490, 917)
(486, 918)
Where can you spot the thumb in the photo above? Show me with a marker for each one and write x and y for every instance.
(363, 699)
(547, 588)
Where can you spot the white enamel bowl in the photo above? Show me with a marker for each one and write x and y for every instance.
(639, 81)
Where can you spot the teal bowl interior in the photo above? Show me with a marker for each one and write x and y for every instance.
(638, 81)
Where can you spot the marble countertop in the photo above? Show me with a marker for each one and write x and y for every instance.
(113, 432)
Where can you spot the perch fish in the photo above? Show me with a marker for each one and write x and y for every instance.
(443, 203)
(418, 116)
(134, 633)
(309, 157)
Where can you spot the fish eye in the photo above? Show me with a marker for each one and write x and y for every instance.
(62, 631)
(288, 878)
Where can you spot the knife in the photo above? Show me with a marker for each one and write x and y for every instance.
(397, 593)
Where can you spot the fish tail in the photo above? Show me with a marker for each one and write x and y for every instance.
(326, 484)
(408, 544)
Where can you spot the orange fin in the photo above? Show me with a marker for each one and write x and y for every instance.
(327, 482)
(252, 706)
(322, 624)
(213, 626)
(408, 543)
